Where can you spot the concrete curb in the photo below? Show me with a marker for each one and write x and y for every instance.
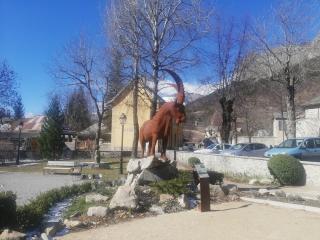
(282, 204)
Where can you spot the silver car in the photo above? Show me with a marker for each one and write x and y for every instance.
(246, 149)
(214, 148)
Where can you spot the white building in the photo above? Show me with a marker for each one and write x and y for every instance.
(309, 126)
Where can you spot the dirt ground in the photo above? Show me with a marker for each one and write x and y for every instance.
(227, 221)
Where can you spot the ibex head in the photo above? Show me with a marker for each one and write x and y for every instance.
(179, 113)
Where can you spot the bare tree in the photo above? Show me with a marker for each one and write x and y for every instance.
(170, 29)
(80, 65)
(230, 60)
(281, 40)
(126, 27)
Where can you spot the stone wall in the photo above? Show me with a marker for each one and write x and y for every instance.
(250, 166)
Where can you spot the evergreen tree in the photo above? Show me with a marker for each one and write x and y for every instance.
(18, 108)
(77, 114)
(51, 137)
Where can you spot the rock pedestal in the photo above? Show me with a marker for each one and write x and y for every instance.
(150, 169)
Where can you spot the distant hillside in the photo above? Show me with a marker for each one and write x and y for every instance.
(207, 111)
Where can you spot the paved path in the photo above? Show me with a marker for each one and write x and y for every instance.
(29, 185)
(228, 221)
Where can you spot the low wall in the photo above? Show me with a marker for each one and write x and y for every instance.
(268, 140)
(250, 166)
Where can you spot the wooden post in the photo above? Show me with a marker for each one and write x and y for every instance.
(204, 187)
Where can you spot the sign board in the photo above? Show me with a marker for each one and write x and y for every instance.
(202, 171)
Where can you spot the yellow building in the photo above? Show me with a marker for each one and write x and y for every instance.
(122, 103)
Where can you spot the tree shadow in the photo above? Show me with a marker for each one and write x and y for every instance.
(232, 208)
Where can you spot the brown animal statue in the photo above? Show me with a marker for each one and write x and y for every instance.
(160, 126)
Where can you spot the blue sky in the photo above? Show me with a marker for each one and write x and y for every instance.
(33, 31)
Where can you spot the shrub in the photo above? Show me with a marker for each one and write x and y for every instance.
(176, 186)
(214, 177)
(287, 170)
(7, 209)
(193, 161)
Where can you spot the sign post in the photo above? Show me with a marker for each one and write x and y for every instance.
(204, 187)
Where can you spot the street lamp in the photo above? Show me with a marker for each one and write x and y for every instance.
(19, 141)
(123, 119)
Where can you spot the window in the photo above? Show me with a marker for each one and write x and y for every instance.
(291, 143)
(282, 125)
(250, 147)
(317, 142)
(259, 146)
(309, 143)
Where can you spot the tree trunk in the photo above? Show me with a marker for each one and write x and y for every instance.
(291, 127)
(135, 119)
(155, 75)
(227, 109)
(290, 104)
(97, 145)
(248, 128)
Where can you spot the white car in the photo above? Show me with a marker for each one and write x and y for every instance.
(214, 148)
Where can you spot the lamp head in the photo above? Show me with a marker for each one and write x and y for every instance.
(123, 119)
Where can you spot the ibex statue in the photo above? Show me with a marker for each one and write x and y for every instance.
(160, 126)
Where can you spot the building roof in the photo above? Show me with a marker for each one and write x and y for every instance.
(32, 124)
(315, 102)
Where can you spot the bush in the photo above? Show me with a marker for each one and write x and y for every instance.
(7, 209)
(193, 161)
(176, 186)
(287, 170)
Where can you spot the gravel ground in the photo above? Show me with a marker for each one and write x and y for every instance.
(29, 185)
(227, 221)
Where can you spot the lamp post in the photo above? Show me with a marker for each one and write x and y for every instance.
(123, 119)
(19, 141)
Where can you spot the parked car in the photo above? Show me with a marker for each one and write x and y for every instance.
(301, 148)
(214, 148)
(246, 149)
(206, 142)
(188, 146)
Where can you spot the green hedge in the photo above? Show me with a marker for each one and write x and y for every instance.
(287, 170)
(7, 209)
(30, 215)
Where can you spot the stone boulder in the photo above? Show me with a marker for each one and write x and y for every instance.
(216, 192)
(45, 237)
(96, 197)
(253, 181)
(150, 169)
(133, 166)
(124, 197)
(266, 181)
(264, 192)
(165, 197)
(280, 193)
(70, 224)
(54, 227)
(97, 211)
(12, 235)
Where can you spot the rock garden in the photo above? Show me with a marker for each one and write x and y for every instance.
(151, 188)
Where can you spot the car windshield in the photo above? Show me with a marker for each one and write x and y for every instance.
(238, 146)
(211, 146)
(291, 143)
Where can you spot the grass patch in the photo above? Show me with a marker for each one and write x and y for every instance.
(78, 205)
(242, 177)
